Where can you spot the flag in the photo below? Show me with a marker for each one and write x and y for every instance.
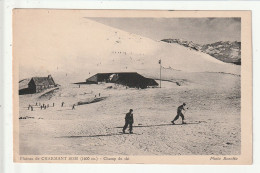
(159, 61)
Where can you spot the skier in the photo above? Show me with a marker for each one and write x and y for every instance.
(180, 114)
(73, 107)
(129, 120)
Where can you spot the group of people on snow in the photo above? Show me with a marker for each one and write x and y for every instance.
(44, 106)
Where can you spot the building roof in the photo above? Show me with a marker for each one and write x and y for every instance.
(131, 79)
(119, 73)
(45, 81)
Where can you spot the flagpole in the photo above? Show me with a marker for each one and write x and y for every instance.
(160, 73)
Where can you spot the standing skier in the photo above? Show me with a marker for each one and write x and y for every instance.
(129, 120)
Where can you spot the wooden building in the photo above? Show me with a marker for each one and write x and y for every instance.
(37, 84)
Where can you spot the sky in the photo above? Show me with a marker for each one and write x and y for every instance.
(198, 30)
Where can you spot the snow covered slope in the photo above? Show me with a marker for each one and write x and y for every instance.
(72, 44)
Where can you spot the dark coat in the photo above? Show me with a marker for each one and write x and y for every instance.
(180, 108)
(129, 117)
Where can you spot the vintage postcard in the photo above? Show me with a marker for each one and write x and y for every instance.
(132, 86)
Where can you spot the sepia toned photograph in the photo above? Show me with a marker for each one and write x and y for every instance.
(111, 86)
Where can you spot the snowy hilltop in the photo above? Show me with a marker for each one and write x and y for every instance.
(99, 48)
(225, 51)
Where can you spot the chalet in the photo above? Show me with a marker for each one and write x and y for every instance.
(130, 79)
(37, 84)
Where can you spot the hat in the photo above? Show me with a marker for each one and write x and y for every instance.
(184, 104)
(131, 110)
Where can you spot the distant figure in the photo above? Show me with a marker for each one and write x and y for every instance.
(95, 96)
(129, 120)
(179, 113)
(44, 106)
(47, 105)
(79, 86)
(53, 104)
(62, 104)
(36, 104)
(73, 107)
(41, 107)
(31, 108)
(99, 94)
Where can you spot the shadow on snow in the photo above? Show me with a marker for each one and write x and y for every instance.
(161, 125)
(120, 133)
(92, 136)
